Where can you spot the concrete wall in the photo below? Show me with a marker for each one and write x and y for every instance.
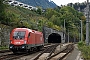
(47, 31)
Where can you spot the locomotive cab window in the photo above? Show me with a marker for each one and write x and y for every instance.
(19, 35)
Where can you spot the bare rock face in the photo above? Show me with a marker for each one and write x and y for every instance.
(41, 3)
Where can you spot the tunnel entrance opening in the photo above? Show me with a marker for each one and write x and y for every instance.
(54, 38)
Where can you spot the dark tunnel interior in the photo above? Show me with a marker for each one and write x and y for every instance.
(54, 38)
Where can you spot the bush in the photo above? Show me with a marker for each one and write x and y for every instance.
(85, 50)
(81, 43)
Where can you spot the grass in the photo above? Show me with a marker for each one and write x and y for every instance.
(3, 48)
(85, 50)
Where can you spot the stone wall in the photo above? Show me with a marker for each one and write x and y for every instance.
(4, 35)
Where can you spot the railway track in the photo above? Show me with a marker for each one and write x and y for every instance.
(11, 56)
(62, 54)
(49, 49)
(58, 56)
(4, 51)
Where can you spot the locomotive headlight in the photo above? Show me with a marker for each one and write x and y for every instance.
(11, 47)
(23, 46)
(24, 41)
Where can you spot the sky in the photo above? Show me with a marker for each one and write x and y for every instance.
(64, 2)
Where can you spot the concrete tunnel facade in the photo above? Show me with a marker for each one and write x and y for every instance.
(52, 35)
(54, 38)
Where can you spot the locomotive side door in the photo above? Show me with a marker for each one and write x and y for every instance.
(31, 38)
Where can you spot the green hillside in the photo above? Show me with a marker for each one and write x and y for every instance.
(54, 18)
(18, 17)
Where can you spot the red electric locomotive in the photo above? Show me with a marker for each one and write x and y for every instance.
(24, 39)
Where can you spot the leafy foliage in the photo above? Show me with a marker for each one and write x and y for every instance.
(54, 18)
(70, 15)
(85, 50)
(2, 11)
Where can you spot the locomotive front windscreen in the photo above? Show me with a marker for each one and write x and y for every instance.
(19, 35)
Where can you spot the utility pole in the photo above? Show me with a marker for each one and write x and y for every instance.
(64, 30)
(81, 29)
(81, 26)
(79, 34)
(68, 35)
(87, 24)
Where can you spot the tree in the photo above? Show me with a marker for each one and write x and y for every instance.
(2, 12)
(39, 10)
(50, 12)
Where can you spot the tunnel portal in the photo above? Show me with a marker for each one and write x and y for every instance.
(54, 38)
